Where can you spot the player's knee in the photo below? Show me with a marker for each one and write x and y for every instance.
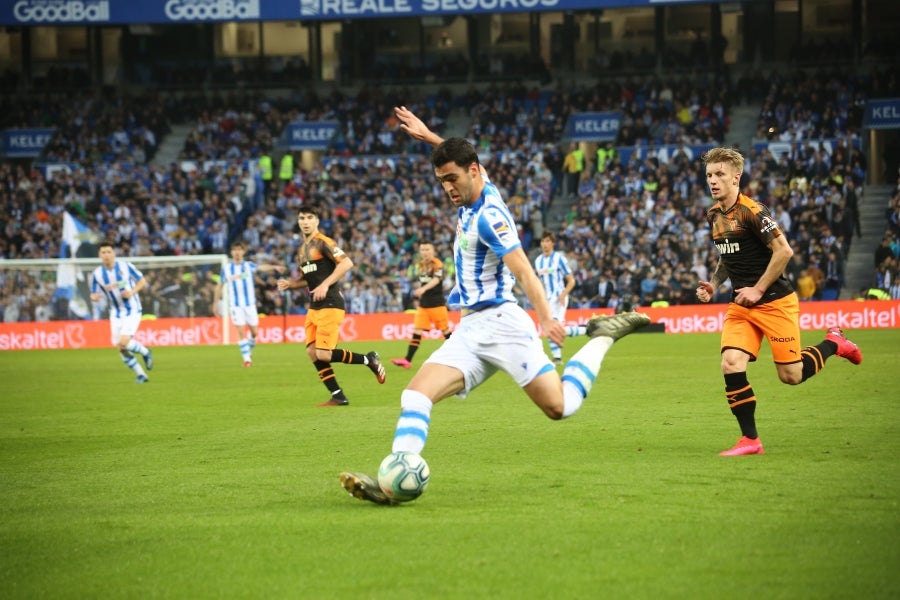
(732, 365)
(553, 412)
(791, 377)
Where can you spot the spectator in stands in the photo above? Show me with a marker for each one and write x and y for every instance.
(573, 165)
(883, 251)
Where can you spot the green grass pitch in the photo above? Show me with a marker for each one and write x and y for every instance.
(215, 481)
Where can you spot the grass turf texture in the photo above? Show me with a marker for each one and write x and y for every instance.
(217, 481)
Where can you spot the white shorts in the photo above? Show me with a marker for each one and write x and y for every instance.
(244, 315)
(120, 326)
(500, 338)
(558, 309)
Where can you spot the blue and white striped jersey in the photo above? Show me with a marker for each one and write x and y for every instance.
(485, 233)
(552, 271)
(239, 280)
(112, 282)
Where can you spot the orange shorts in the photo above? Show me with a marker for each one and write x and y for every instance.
(425, 317)
(778, 321)
(323, 325)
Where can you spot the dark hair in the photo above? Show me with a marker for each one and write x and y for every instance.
(105, 244)
(239, 244)
(548, 235)
(309, 208)
(455, 150)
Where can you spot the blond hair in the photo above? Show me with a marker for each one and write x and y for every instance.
(729, 156)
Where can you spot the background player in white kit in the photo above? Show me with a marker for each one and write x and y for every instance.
(239, 275)
(553, 270)
(119, 281)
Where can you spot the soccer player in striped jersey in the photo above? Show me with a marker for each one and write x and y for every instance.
(494, 333)
(432, 309)
(119, 281)
(753, 253)
(239, 276)
(553, 270)
(322, 265)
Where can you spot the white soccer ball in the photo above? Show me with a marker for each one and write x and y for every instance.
(403, 476)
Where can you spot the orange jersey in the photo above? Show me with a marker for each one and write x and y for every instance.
(317, 259)
(742, 234)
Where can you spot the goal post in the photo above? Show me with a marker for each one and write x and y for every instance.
(59, 289)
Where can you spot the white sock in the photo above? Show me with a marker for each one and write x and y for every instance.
(581, 371)
(136, 346)
(412, 426)
(575, 330)
(555, 351)
(132, 363)
(246, 345)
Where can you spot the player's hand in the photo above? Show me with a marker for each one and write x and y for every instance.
(282, 284)
(747, 296)
(126, 294)
(705, 291)
(411, 124)
(554, 331)
(320, 292)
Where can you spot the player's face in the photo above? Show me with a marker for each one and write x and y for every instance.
(723, 181)
(237, 254)
(107, 256)
(547, 246)
(458, 182)
(308, 223)
(427, 251)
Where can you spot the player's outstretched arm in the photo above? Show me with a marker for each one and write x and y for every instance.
(415, 127)
(292, 283)
(268, 268)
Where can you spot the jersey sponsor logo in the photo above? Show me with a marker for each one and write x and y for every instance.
(309, 268)
(239, 276)
(115, 285)
(729, 247)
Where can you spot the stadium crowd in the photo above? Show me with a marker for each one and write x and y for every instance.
(634, 231)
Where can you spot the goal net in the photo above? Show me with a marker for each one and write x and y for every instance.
(59, 289)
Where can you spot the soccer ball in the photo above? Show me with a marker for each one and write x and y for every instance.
(403, 476)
